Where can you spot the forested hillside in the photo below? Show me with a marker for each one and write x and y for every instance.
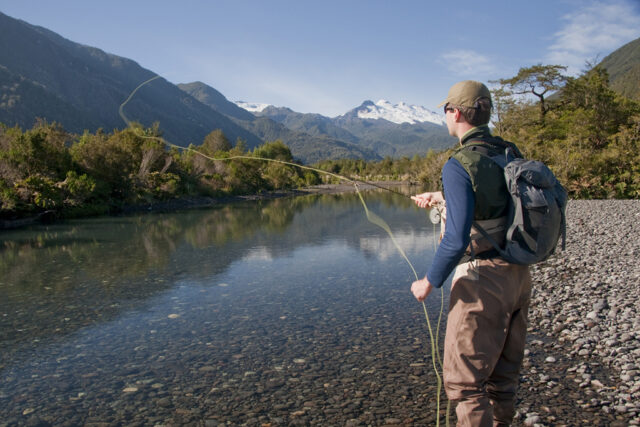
(623, 67)
(43, 75)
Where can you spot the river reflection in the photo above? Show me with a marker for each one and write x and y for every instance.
(273, 312)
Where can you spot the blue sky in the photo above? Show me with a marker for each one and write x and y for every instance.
(328, 56)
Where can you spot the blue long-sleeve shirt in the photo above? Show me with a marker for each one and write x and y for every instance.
(458, 192)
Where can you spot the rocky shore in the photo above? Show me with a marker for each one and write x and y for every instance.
(583, 356)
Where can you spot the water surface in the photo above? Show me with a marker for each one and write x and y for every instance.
(289, 311)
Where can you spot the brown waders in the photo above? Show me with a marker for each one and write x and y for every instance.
(485, 340)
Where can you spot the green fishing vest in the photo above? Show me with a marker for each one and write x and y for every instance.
(487, 178)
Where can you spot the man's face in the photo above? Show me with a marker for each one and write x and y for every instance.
(448, 114)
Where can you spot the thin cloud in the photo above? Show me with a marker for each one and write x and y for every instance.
(467, 62)
(593, 32)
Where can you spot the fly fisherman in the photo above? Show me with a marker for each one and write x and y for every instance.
(487, 321)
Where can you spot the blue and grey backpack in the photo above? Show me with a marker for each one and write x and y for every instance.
(536, 211)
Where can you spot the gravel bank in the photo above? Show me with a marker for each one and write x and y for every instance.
(583, 363)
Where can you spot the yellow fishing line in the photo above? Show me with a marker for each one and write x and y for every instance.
(371, 217)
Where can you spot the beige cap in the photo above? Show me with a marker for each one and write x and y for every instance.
(466, 93)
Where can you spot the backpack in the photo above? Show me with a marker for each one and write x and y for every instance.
(536, 207)
(536, 210)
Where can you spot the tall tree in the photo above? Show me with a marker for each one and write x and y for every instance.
(538, 80)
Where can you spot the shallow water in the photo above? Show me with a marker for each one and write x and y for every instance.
(289, 311)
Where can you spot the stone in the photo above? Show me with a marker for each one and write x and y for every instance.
(531, 419)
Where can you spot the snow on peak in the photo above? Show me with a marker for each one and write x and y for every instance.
(399, 113)
(252, 107)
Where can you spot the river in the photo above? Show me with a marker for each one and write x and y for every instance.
(292, 311)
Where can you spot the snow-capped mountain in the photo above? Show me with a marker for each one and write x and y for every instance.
(252, 107)
(398, 113)
(382, 127)
(383, 109)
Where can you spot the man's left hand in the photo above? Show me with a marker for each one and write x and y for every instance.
(421, 289)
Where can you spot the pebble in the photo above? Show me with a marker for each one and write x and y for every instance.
(531, 419)
(585, 304)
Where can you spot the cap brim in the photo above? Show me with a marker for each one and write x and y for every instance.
(442, 103)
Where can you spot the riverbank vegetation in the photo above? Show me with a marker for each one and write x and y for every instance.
(587, 133)
(45, 169)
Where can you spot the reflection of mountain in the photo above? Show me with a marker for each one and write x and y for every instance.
(384, 248)
(58, 279)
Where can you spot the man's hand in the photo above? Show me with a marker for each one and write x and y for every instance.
(427, 200)
(421, 289)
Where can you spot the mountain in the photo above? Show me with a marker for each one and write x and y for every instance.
(214, 99)
(45, 75)
(623, 66)
(251, 107)
(311, 123)
(309, 147)
(390, 138)
(379, 134)
(398, 113)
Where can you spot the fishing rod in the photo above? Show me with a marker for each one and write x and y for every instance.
(371, 217)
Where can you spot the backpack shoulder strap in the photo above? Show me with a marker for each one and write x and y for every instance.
(496, 148)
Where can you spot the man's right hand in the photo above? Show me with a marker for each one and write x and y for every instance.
(427, 200)
(421, 289)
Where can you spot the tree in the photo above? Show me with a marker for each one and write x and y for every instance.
(502, 103)
(276, 150)
(607, 110)
(215, 141)
(538, 81)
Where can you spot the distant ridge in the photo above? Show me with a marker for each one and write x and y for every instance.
(623, 66)
(83, 87)
(308, 147)
(379, 135)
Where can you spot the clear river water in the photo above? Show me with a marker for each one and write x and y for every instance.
(293, 311)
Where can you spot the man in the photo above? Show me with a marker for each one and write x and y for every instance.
(487, 321)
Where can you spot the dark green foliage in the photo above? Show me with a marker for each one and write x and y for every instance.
(46, 169)
(32, 166)
(282, 175)
(589, 136)
(274, 150)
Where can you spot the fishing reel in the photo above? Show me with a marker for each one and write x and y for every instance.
(435, 214)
